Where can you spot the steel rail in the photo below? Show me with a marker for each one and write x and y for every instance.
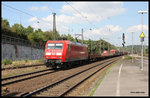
(66, 92)
(21, 67)
(15, 81)
(16, 76)
(27, 94)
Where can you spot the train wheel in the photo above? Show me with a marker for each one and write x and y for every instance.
(47, 64)
(64, 66)
(69, 65)
(54, 66)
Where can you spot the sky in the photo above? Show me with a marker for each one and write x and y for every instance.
(99, 19)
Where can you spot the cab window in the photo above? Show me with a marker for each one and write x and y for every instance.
(59, 46)
(54, 46)
(50, 46)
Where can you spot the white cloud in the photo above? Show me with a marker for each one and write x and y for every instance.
(43, 8)
(42, 25)
(33, 19)
(94, 11)
(137, 28)
(33, 8)
(48, 18)
(47, 24)
(107, 30)
(35, 26)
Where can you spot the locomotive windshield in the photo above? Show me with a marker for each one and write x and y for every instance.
(59, 46)
(50, 46)
(54, 46)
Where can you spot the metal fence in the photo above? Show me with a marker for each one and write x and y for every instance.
(17, 41)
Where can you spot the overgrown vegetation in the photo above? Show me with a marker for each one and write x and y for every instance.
(136, 49)
(10, 63)
(40, 37)
(7, 61)
(129, 57)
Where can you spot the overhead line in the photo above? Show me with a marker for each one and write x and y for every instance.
(23, 12)
(81, 14)
(18, 10)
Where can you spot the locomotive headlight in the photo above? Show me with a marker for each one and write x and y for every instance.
(58, 53)
(48, 53)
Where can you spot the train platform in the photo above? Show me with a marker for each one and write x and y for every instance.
(125, 79)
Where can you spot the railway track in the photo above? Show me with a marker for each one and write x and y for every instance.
(33, 83)
(64, 86)
(18, 67)
(26, 76)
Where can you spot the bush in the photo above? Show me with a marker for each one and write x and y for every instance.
(26, 60)
(129, 57)
(6, 62)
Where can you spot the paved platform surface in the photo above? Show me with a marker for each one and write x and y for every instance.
(125, 79)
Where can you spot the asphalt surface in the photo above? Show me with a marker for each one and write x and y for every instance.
(125, 79)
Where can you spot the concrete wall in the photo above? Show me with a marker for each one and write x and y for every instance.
(19, 52)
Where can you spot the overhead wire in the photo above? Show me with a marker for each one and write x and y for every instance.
(84, 18)
(24, 12)
(81, 14)
(51, 11)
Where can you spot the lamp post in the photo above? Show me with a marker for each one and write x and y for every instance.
(142, 39)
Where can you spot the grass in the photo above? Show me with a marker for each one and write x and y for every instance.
(25, 62)
(129, 57)
(8, 73)
(6, 62)
(10, 63)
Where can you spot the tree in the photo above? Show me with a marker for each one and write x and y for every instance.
(20, 30)
(29, 30)
(5, 27)
(48, 35)
(5, 24)
(31, 37)
(57, 34)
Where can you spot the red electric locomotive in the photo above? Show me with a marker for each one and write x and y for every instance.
(105, 53)
(62, 53)
(112, 51)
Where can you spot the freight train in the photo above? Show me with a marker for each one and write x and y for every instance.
(63, 53)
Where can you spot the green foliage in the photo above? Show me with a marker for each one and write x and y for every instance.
(6, 62)
(69, 37)
(40, 37)
(129, 57)
(31, 37)
(147, 50)
(136, 49)
(26, 60)
(5, 27)
(28, 30)
(5, 24)
(48, 35)
(19, 30)
(99, 46)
